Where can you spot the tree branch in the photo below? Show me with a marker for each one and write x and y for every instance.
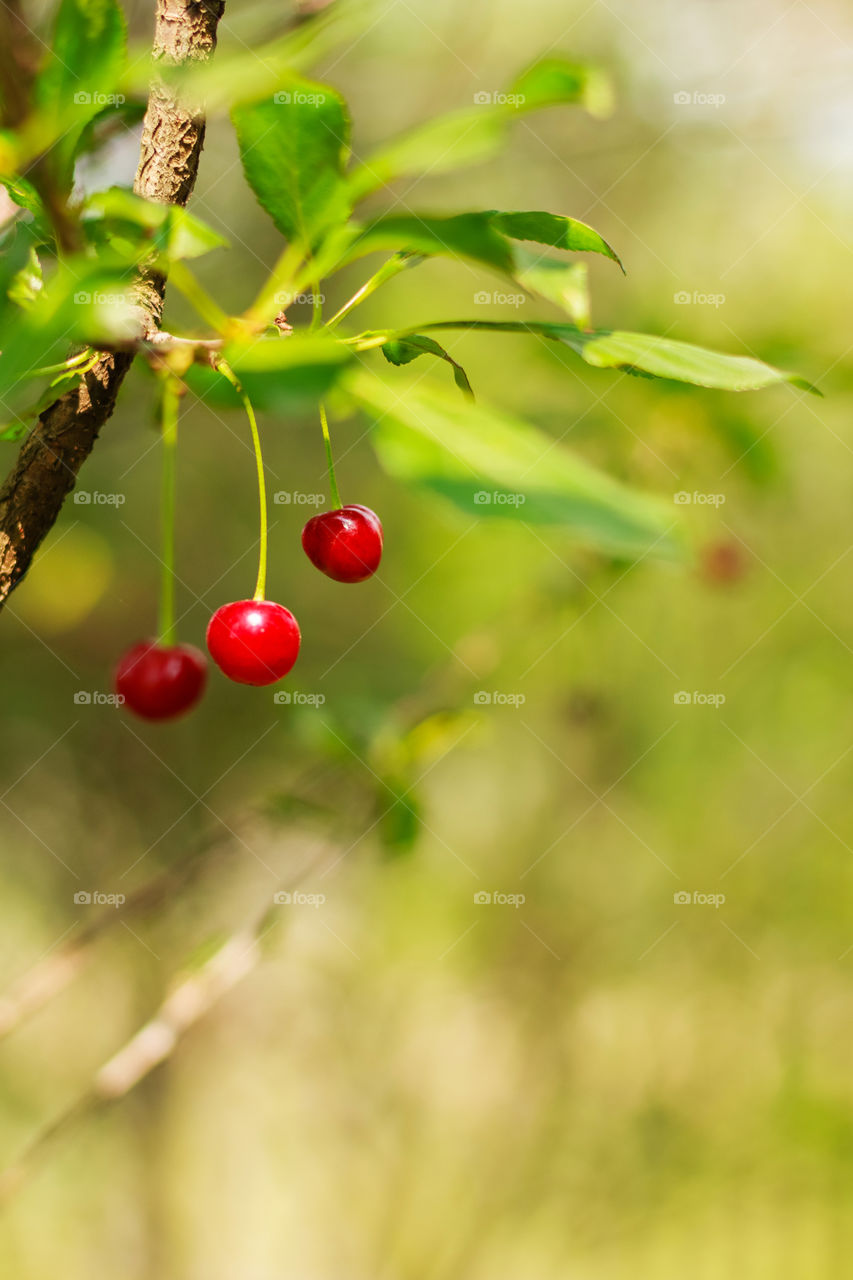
(51, 456)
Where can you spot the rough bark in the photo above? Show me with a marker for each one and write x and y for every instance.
(51, 456)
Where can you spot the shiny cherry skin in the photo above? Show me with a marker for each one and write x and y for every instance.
(345, 544)
(159, 682)
(253, 641)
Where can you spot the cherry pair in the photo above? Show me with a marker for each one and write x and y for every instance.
(257, 641)
(253, 642)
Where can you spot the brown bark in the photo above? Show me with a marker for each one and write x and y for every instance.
(51, 456)
(18, 63)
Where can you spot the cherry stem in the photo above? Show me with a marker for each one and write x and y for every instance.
(198, 298)
(386, 272)
(333, 484)
(169, 431)
(261, 585)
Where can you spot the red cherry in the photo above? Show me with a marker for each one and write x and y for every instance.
(253, 641)
(345, 544)
(159, 682)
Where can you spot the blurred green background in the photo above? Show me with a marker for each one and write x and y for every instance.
(598, 1081)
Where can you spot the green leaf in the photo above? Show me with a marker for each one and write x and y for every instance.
(25, 196)
(466, 235)
(142, 226)
(112, 121)
(563, 283)
(85, 300)
(280, 374)
(294, 146)
(28, 282)
(636, 353)
(679, 361)
(80, 78)
(51, 392)
(554, 230)
(404, 350)
(555, 81)
(17, 244)
(448, 142)
(13, 431)
(485, 238)
(491, 464)
(473, 133)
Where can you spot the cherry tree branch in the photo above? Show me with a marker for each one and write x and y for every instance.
(51, 456)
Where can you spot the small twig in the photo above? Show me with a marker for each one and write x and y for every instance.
(162, 341)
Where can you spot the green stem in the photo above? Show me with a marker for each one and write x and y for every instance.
(278, 287)
(67, 366)
(261, 584)
(198, 298)
(387, 271)
(171, 403)
(333, 484)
